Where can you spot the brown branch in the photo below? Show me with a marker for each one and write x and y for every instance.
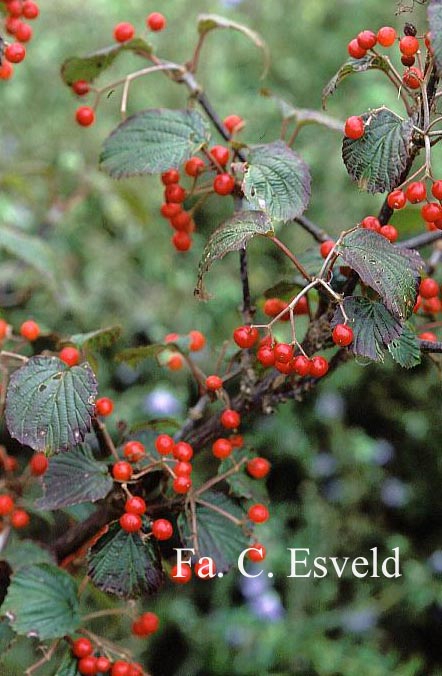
(314, 230)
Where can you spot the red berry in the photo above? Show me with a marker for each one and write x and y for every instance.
(103, 664)
(354, 127)
(233, 123)
(266, 355)
(6, 70)
(123, 32)
(38, 464)
(182, 484)
(20, 518)
(162, 529)
(23, 32)
(284, 367)
(14, 8)
(245, 336)
(122, 471)
(81, 87)
(164, 444)
(355, 50)
(283, 353)
(236, 440)
(222, 448)
(258, 553)
(432, 305)
(258, 468)
(408, 61)
(326, 247)
(156, 21)
(3, 329)
(170, 177)
(171, 209)
(431, 212)
(409, 45)
(183, 468)
(342, 335)
(301, 365)
(197, 341)
(214, 383)
(389, 232)
(175, 362)
(135, 505)
(220, 154)
(318, 367)
(82, 647)
(194, 166)
(6, 505)
(85, 116)
(223, 184)
(131, 523)
(70, 356)
(183, 451)
(30, 9)
(30, 330)
(120, 668)
(184, 576)
(428, 335)
(273, 307)
(174, 193)
(135, 669)
(182, 222)
(416, 192)
(134, 451)
(181, 241)
(230, 419)
(104, 406)
(386, 36)
(138, 629)
(417, 304)
(413, 78)
(87, 666)
(150, 622)
(10, 464)
(428, 288)
(366, 39)
(11, 24)
(371, 223)
(436, 190)
(396, 199)
(258, 513)
(301, 307)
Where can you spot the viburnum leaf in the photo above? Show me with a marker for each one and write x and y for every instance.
(135, 355)
(89, 67)
(153, 141)
(303, 116)
(42, 601)
(74, 477)
(121, 563)
(33, 251)
(7, 636)
(21, 552)
(405, 350)
(435, 23)
(277, 181)
(232, 235)
(369, 62)
(377, 159)
(68, 665)
(374, 327)
(216, 535)
(95, 340)
(49, 406)
(392, 271)
(241, 483)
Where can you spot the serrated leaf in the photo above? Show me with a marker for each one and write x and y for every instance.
(68, 665)
(232, 235)
(135, 355)
(369, 62)
(377, 159)
(208, 22)
(434, 12)
(31, 250)
(153, 141)
(96, 340)
(217, 536)
(374, 327)
(240, 483)
(73, 478)
(6, 636)
(405, 350)
(49, 406)
(277, 181)
(89, 67)
(20, 552)
(121, 563)
(42, 601)
(392, 271)
(303, 116)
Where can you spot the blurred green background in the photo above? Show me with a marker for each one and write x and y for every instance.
(354, 466)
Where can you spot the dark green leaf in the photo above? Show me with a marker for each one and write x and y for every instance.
(277, 181)
(121, 563)
(241, 483)
(68, 665)
(42, 601)
(19, 553)
(157, 425)
(374, 327)
(75, 477)
(95, 340)
(232, 235)
(49, 406)
(6, 636)
(392, 271)
(135, 355)
(369, 62)
(89, 67)
(153, 141)
(435, 24)
(377, 159)
(405, 350)
(217, 536)
(31, 250)
(281, 289)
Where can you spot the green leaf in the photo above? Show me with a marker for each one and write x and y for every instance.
(232, 235)
(209, 22)
(19, 553)
(75, 477)
(240, 483)
(68, 665)
(377, 159)
(31, 250)
(7, 636)
(303, 116)
(95, 340)
(392, 271)
(435, 23)
(277, 181)
(121, 563)
(217, 536)
(153, 141)
(157, 425)
(369, 62)
(374, 327)
(49, 406)
(405, 350)
(89, 67)
(42, 601)
(135, 355)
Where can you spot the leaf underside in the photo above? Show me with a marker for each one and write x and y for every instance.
(369, 62)
(405, 350)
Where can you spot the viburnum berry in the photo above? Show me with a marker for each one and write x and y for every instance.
(318, 366)
(214, 383)
(432, 305)
(6, 70)
(326, 247)
(408, 61)
(122, 470)
(131, 523)
(38, 464)
(120, 668)
(431, 211)
(11, 24)
(175, 362)
(220, 154)
(389, 232)
(366, 39)
(181, 241)
(266, 355)
(222, 448)
(181, 576)
(135, 669)
(174, 192)
(164, 444)
(170, 177)
(428, 288)
(354, 127)
(386, 36)
(156, 22)
(284, 367)
(371, 223)
(273, 306)
(223, 184)
(283, 353)
(436, 189)
(87, 666)
(183, 468)
(230, 419)
(194, 166)
(135, 505)
(30, 330)
(6, 505)
(14, 8)
(30, 10)
(70, 355)
(124, 31)
(183, 451)
(4, 326)
(257, 552)
(9, 463)
(103, 664)
(258, 468)
(19, 518)
(233, 123)
(85, 116)
(81, 87)
(417, 304)
(413, 78)
(301, 307)
(23, 32)
(236, 440)
(245, 336)
(355, 50)
(182, 484)
(181, 221)
(342, 335)
(150, 622)
(396, 199)
(301, 365)
(134, 451)
(82, 647)
(171, 209)
(428, 335)
(409, 45)
(104, 406)
(197, 341)
(416, 192)
(162, 529)
(258, 513)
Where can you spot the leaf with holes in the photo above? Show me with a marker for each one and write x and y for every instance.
(153, 141)
(42, 601)
(217, 536)
(49, 406)
(377, 159)
(241, 483)
(435, 23)
(374, 327)
(232, 235)
(73, 478)
(405, 350)
(121, 563)
(89, 67)
(369, 62)
(392, 271)
(277, 181)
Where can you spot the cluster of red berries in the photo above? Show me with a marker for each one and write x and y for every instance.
(388, 231)
(30, 330)
(416, 193)
(18, 518)
(90, 664)
(428, 299)
(145, 625)
(15, 52)
(10, 514)
(274, 306)
(175, 360)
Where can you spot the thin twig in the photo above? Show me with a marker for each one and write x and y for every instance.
(292, 257)
(317, 233)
